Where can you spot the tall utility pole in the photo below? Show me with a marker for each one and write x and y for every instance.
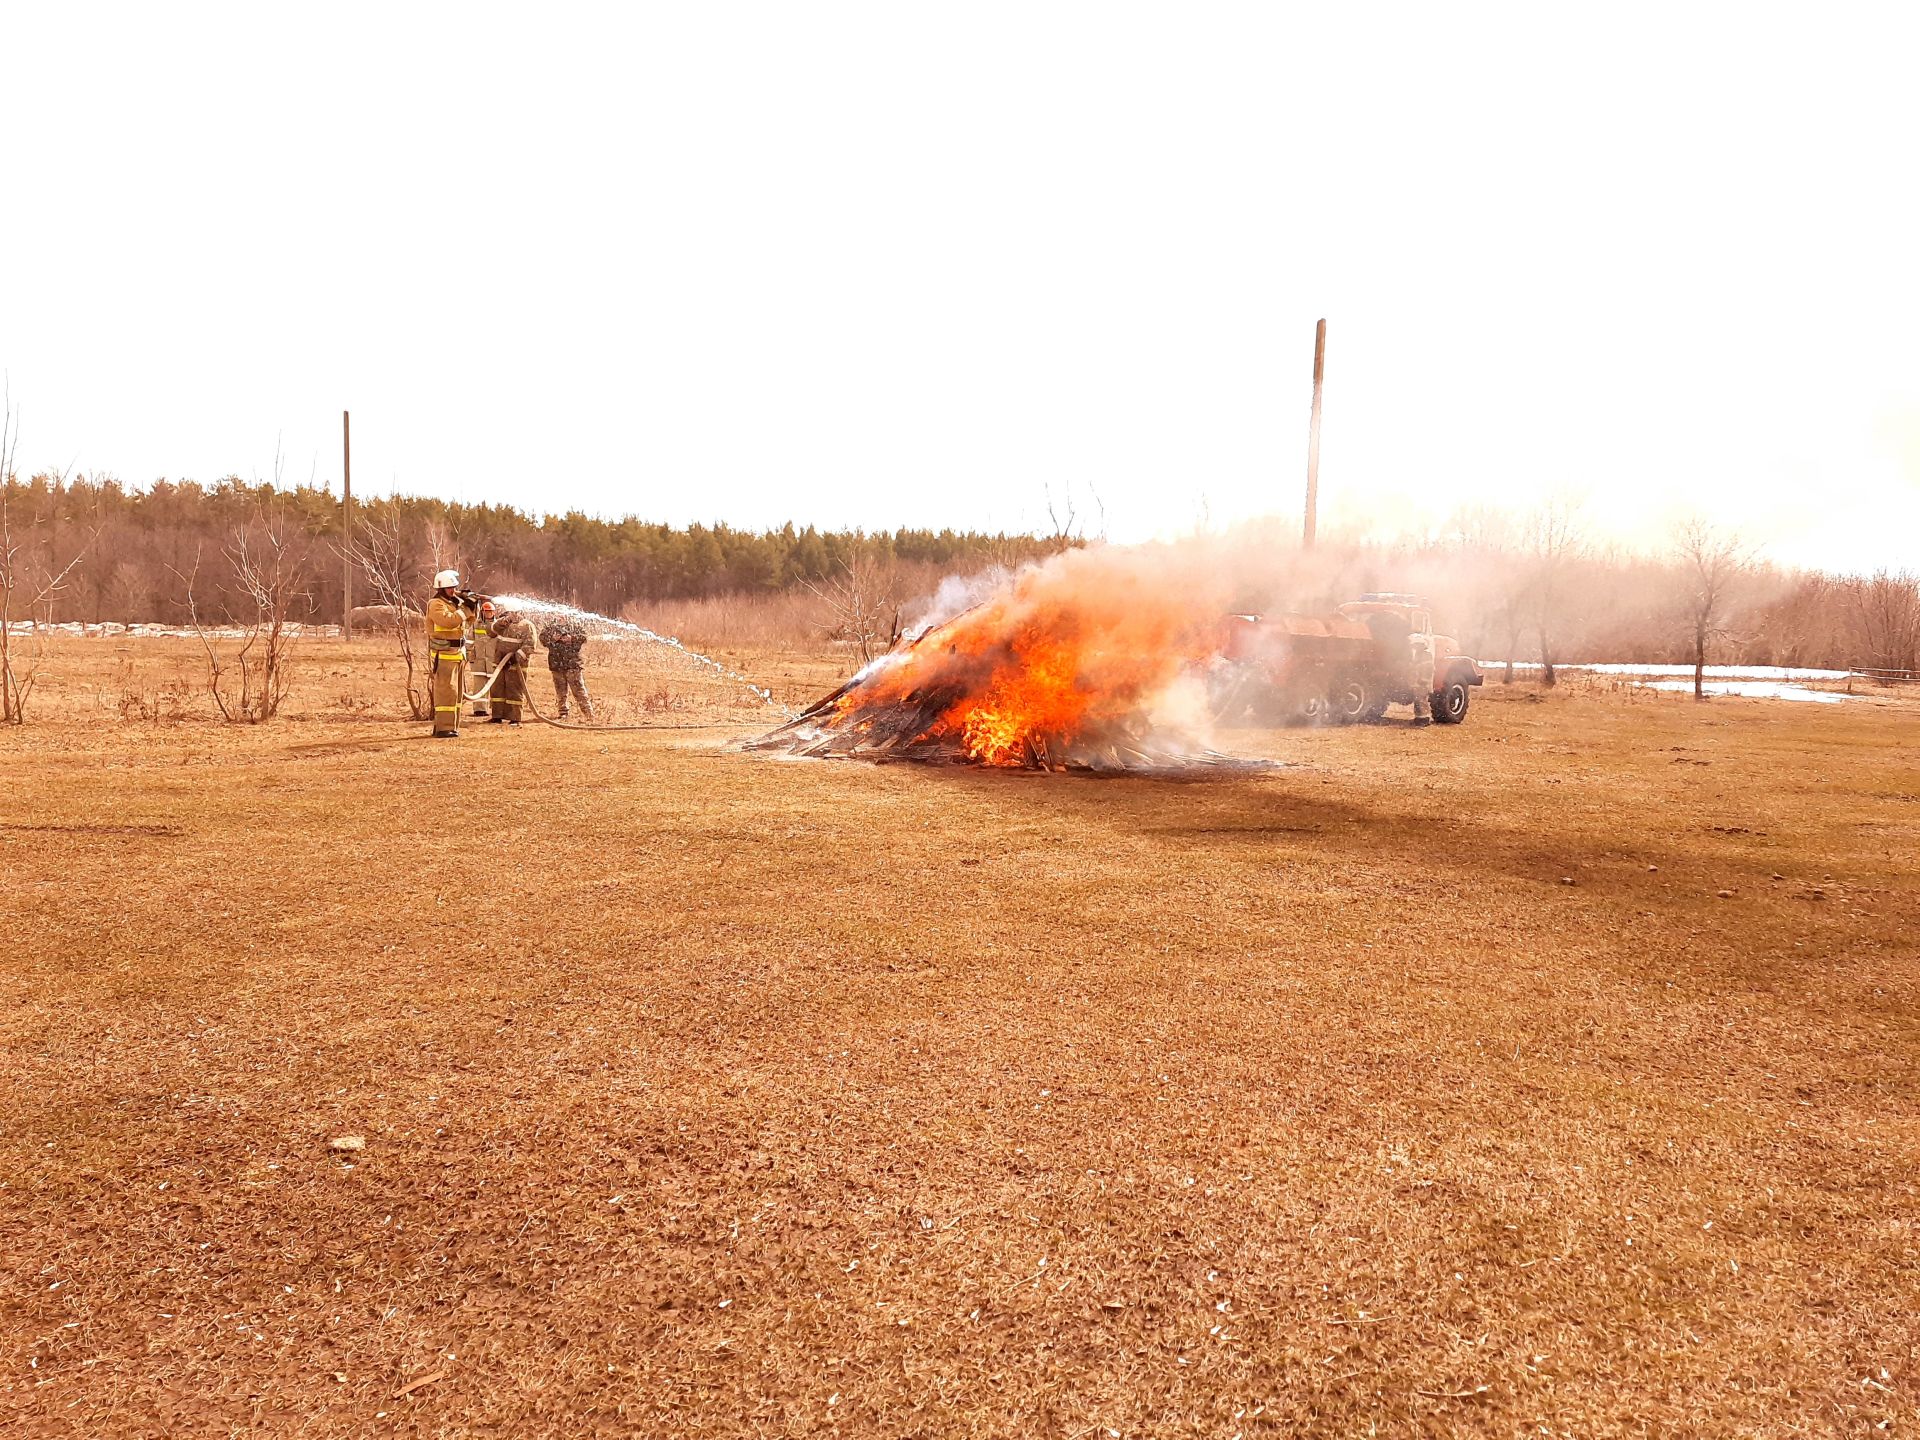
(1313, 436)
(346, 522)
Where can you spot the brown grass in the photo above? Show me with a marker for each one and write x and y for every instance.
(761, 620)
(706, 1093)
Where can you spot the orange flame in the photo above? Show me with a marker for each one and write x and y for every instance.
(1073, 649)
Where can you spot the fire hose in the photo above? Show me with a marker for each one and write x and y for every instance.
(500, 669)
(481, 693)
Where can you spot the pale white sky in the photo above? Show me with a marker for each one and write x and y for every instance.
(904, 264)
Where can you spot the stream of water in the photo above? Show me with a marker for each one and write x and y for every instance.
(626, 629)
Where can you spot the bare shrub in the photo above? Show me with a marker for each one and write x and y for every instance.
(379, 554)
(34, 569)
(660, 700)
(771, 618)
(249, 657)
(139, 698)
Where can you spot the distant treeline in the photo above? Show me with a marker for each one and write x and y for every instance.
(143, 541)
(1509, 588)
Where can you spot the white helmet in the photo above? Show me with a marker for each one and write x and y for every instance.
(446, 580)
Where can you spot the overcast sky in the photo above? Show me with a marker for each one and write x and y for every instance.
(905, 264)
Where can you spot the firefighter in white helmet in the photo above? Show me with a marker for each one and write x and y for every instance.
(448, 614)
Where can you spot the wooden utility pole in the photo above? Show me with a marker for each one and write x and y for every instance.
(1313, 436)
(346, 525)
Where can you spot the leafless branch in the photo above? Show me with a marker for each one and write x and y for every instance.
(32, 578)
(1885, 613)
(1711, 563)
(216, 663)
(1556, 541)
(267, 556)
(1062, 524)
(379, 555)
(860, 597)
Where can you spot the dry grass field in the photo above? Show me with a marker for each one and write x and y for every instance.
(1559, 1074)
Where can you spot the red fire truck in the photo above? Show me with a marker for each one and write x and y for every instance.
(1339, 668)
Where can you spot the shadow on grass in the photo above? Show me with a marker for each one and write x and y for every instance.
(1245, 814)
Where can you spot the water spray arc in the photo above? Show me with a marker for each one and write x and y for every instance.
(537, 608)
(545, 719)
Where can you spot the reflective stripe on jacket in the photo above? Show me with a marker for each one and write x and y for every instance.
(446, 627)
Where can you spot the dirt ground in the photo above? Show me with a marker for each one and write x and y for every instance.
(1552, 1075)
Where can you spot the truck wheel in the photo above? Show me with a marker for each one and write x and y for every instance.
(1351, 701)
(1450, 703)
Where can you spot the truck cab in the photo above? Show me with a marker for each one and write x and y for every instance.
(1402, 630)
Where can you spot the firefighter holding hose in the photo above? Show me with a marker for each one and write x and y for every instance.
(480, 655)
(513, 645)
(448, 615)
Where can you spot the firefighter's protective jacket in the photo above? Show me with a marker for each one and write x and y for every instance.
(513, 640)
(446, 628)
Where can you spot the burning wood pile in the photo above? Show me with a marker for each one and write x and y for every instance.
(1084, 663)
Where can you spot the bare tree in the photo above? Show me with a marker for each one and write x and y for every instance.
(1711, 564)
(1511, 619)
(1062, 515)
(272, 581)
(443, 548)
(33, 573)
(1478, 530)
(1511, 609)
(125, 593)
(1555, 542)
(1804, 622)
(860, 597)
(379, 555)
(1886, 615)
(1480, 542)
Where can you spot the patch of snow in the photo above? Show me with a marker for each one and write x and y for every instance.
(1712, 672)
(1754, 690)
(175, 632)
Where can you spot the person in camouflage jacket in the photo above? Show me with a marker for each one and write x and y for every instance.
(565, 639)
